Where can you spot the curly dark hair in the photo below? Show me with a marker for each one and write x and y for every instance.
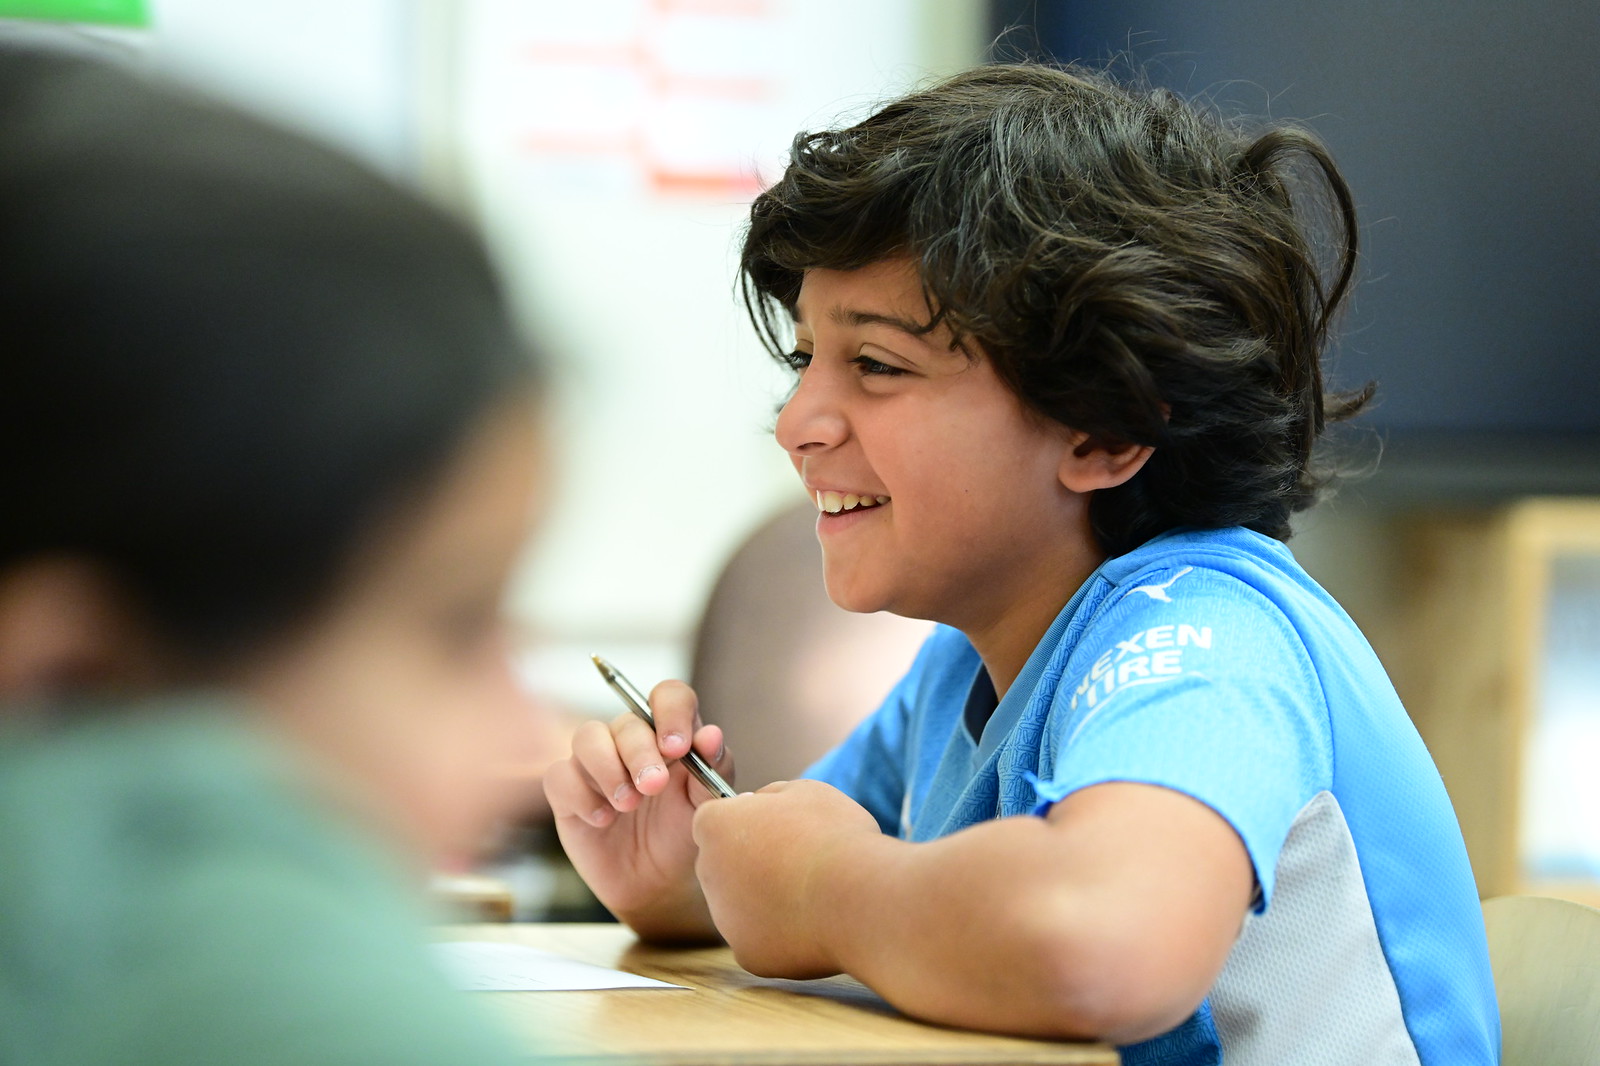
(1134, 265)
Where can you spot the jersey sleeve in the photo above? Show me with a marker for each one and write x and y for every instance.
(1201, 686)
(873, 765)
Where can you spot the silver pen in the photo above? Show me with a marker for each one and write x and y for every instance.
(639, 704)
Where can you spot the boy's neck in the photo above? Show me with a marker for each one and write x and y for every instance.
(1005, 643)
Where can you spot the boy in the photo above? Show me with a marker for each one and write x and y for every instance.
(1057, 346)
(271, 442)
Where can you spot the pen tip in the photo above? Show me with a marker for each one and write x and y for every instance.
(603, 666)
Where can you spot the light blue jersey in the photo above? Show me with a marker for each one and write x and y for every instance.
(1208, 662)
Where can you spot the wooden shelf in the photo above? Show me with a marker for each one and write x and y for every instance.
(1468, 660)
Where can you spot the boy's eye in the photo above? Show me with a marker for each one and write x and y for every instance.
(868, 365)
(797, 360)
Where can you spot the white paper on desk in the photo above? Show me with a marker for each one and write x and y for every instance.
(492, 966)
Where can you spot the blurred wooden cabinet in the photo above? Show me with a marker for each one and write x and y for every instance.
(1498, 661)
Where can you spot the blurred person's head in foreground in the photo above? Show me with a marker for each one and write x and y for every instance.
(268, 433)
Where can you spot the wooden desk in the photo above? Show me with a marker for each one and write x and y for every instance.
(728, 1017)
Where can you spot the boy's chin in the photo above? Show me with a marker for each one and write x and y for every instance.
(858, 599)
(855, 599)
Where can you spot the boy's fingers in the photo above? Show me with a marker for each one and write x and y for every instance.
(709, 742)
(571, 792)
(595, 751)
(643, 761)
(677, 714)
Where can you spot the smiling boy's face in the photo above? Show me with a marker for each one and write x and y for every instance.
(979, 515)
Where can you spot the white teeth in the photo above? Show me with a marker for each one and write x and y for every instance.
(839, 502)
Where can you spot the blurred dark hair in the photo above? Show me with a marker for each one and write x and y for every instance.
(1135, 266)
(226, 352)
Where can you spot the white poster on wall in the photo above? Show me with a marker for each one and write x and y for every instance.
(612, 148)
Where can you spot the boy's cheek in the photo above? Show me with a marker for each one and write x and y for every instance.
(427, 744)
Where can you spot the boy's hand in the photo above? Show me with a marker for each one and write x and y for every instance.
(623, 805)
(763, 858)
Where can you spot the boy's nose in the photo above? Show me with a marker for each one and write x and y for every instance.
(811, 421)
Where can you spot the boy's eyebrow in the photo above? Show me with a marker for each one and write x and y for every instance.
(851, 317)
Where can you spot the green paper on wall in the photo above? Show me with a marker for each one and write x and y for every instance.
(105, 12)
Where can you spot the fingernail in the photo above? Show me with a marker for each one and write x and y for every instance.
(647, 773)
(673, 738)
(599, 815)
(621, 793)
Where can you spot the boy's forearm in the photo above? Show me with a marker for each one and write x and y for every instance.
(929, 928)
(985, 930)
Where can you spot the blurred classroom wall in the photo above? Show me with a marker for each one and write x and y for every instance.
(609, 150)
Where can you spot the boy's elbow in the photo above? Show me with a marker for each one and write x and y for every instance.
(1121, 1012)
(1121, 989)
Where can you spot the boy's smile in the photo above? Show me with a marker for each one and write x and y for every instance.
(837, 511)
(939, 494)
(832, 503)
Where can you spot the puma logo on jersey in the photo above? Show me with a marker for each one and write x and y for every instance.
(1158, 592)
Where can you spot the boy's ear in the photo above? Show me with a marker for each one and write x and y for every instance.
(63, 627)
(1088, 464)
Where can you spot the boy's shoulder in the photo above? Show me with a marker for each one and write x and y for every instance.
(1232, 550)
(1228, 607)
(1230, 571)
(1231, 596)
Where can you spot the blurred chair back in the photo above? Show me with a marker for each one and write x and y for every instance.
(1546, 959)
(785, 672)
